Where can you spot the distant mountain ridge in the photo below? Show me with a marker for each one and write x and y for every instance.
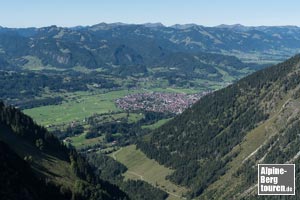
(123, 50)
(150, 40)
(161, 25)
(129, 49)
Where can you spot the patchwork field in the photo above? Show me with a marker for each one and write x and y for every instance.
(140, 167)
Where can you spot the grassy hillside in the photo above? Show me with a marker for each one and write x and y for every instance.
(142, 168)
(254, 141)
(18, 181)
(58, 170)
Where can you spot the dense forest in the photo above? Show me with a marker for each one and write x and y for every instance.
(127, 131)
(26, 89)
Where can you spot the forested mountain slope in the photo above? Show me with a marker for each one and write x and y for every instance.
(18, 181)
(51, 170)
(215, 145)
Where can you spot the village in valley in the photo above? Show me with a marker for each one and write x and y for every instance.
(159, 101)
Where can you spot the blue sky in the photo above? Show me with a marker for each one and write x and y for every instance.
(27, 13)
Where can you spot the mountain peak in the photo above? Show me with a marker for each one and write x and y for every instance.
(106, 26)
(234, 27)
(184, 26)
(154, 25)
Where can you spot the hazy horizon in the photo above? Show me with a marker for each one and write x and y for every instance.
(34, 13)
(89, 25)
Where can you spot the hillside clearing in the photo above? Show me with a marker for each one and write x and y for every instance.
(141, 167)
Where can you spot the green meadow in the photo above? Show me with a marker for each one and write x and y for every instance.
(140, 167)
(76, 107)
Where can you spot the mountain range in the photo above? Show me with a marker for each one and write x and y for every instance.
(142, 42)
(104, 45)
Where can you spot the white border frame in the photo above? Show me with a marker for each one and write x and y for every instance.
(276, 194)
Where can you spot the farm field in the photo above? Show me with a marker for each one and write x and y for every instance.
(76, 107)
(141, 167)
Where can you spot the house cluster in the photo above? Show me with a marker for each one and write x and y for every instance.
(158, 101)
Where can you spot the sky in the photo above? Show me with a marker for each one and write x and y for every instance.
(67, 13)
